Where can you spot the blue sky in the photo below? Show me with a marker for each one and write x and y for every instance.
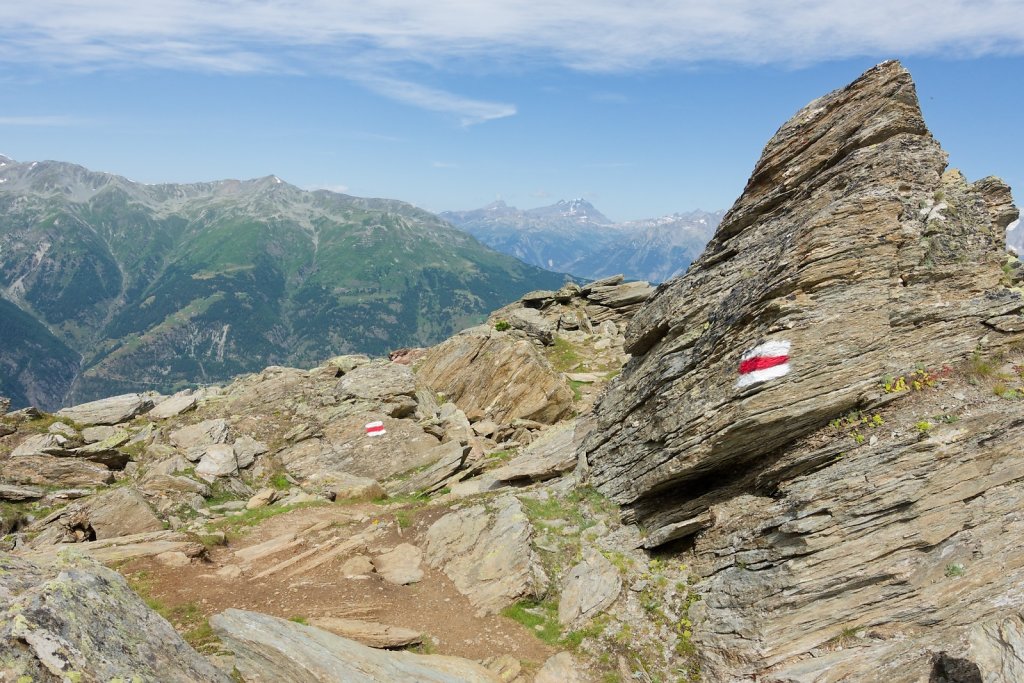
(644, 108)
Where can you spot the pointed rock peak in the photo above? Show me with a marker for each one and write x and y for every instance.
(578, 209)
(843, 261)
(882, 103)
(5, 160)
(267, 181)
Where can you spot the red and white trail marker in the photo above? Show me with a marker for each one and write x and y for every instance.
(764, 362)
(375, 428)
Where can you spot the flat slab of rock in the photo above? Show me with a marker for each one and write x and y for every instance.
(551, 455)
(98, 433)
(42, 444)
(217, 461)
(80, 617)
(20, 494)
(108, 411)
(369, 633)
(124, 548)
(400, 566)
(49, 470)
(175, 405)
(487, 555)
(169, 484)
(271, 650)
(618, 296)
(588, 588)
(205, 433)
(378, 381)
(119, 512)
(346, 449)
(450, 457)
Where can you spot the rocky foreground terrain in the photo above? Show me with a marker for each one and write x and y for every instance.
(799, 462)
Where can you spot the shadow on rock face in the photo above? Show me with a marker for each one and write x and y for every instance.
(947, 669)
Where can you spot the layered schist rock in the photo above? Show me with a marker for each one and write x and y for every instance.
(74, 620)
(852, 256)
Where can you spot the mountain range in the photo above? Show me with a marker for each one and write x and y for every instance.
(108, 285)
(572, 236)
(1015, 237)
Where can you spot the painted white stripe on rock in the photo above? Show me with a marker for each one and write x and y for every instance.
(769, 348)
(758, 376)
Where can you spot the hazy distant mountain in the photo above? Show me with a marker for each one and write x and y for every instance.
(1015, 237)
(159, 286)
(574, 237)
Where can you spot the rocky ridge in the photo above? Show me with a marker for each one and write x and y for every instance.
(791, 410)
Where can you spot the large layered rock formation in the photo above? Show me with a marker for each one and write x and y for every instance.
(78, 621)
(849, 273)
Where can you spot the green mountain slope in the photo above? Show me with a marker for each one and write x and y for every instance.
(36, 367)
(162, 286)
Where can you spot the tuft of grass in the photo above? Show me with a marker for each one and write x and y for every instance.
(979, 367)
(299, 620)
(280, 482)
(502, 325)
(923, 427)
(595, 628)
(540, 617)
(425, 647)
(577, 393)
(404, 518)
(955, 570)
(845, 637)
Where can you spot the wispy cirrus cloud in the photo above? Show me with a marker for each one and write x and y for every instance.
(399, 36)
(469, 111)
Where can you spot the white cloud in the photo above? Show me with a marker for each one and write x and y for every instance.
(240, 36)
(468, 110)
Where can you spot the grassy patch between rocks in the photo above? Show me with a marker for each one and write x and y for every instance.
(187, 619)
(233, 526)
(540, 617)
(563, 355)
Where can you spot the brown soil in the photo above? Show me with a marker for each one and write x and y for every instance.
(433, 606)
